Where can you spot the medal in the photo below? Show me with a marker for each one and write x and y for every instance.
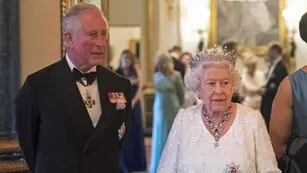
(89, 101)
(118, 98)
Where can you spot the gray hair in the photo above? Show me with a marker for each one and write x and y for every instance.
(208, 58)
(163, 62)
(69, 20)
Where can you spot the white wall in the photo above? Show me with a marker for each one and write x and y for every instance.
(169, 25)
(194, 16)
(119, 40)
(295, 9)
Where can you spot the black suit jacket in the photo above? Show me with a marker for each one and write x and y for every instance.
(179, 66)
(54, 127)
(279, 73)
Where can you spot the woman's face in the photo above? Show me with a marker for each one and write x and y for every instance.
(216, 88)
(126, 62)
(251, 68)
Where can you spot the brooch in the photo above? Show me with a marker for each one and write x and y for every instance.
(89, 101)
(118, 98)
(232, 168)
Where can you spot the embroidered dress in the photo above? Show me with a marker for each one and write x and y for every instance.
(245, 148)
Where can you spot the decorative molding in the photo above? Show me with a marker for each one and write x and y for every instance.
(149, 42)
(213, 23)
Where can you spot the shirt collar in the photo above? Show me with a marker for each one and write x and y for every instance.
(72, 66)
(276, 60)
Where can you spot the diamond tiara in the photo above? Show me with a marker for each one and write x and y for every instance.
(214, 55)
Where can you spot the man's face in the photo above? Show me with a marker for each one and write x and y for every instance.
(126, 62)
(88, 42)
(272, 54)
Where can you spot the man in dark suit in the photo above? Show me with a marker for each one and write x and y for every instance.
(276, 72)
(71, 115)
(178, 65)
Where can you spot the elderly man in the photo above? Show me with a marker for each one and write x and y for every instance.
(71, 115)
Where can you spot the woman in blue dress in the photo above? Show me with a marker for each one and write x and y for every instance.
(169, 97)
(133, 153)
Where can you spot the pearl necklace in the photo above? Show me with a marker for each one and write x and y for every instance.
(216, 129)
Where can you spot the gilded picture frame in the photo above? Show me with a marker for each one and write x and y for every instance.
(64, 5)
(253, 24)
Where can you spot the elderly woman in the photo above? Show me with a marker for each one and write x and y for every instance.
(169, 97)
(217, 135)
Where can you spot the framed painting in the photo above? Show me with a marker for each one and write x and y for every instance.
(251, 23)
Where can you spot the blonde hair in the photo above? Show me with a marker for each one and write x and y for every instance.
(249, 58)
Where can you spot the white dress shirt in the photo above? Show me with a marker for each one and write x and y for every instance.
(95, 111)
(272, 67)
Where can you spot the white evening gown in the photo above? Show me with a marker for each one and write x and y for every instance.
(246, 146)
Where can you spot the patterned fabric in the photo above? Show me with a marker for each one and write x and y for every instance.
(245, 148)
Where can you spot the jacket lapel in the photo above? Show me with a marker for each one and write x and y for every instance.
(108, 109)
(70, 97)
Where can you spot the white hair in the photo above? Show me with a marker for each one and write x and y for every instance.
(209, 58)
(69, 23)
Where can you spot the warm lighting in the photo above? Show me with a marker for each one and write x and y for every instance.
(292, 14)
(290, 19)
(195, 16)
